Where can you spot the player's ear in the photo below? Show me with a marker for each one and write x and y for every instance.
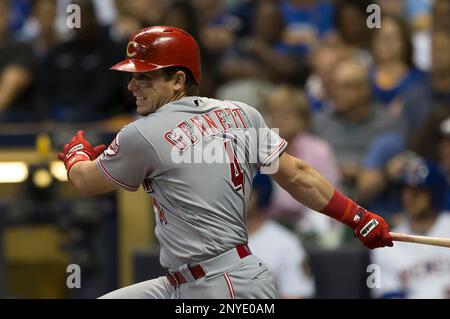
(179, 79)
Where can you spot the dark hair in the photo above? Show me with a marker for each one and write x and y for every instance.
(188, 10)
(35, 3)
(429, 131)
(358, 5)
(190, 86)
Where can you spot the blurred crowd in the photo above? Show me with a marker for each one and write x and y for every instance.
(356, 103)
(351, 100)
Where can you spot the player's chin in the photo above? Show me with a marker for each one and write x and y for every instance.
(144, 111)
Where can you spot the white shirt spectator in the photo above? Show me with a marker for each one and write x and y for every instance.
(284, 256)
(413, 270)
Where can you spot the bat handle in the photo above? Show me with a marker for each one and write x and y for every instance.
(426, 240)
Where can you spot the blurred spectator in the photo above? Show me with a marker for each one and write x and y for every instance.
(417, 15)
(353, 34)
(373, 188)
(40, 29)
(148, 12)
(243, 13)
(263, 55)
(276, 246)
(106, 11)
(416, 12)
(287, 109)
(15, 73)
(441, 12)
(216, 26)
(377, 185)
(394, 68)
(440, 71)
(436, 129)
(396, 83)
(410, 270)
(318, 86)
(430, 131)
(355, 120)
(182, 14)
(134, 15)
(443, 147)
(212, 11)
(443, 153)
(391, 7)
(263, 58)
(307, 22)
(19, 12)
(76, 84)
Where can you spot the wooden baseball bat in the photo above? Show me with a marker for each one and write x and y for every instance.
(426, 240)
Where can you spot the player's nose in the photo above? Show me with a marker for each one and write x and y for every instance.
(132, 85)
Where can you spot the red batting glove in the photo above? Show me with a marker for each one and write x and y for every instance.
(79, 149)
(371, 229)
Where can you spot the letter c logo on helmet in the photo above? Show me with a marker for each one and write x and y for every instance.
(132, 49)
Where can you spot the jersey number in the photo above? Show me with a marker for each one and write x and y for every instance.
(237, 174)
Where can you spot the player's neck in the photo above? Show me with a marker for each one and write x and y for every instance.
(423, 223)
(173, 98)
(177, 96)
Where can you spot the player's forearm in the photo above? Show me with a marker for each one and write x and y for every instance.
(79, 177)
(313, 190)
(86, 177)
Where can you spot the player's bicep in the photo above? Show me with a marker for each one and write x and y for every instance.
(88, 179)
(288, 167)
(269, 145)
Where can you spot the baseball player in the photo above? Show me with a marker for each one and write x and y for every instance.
(196, 157)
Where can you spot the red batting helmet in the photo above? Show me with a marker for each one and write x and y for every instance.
(160, 47)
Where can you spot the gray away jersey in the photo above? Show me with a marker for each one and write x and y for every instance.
(196, 157)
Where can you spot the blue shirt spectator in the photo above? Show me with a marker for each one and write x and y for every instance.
(387, 95)
(383, 149)
(318, 16)
(307, 23)
(20, 10)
